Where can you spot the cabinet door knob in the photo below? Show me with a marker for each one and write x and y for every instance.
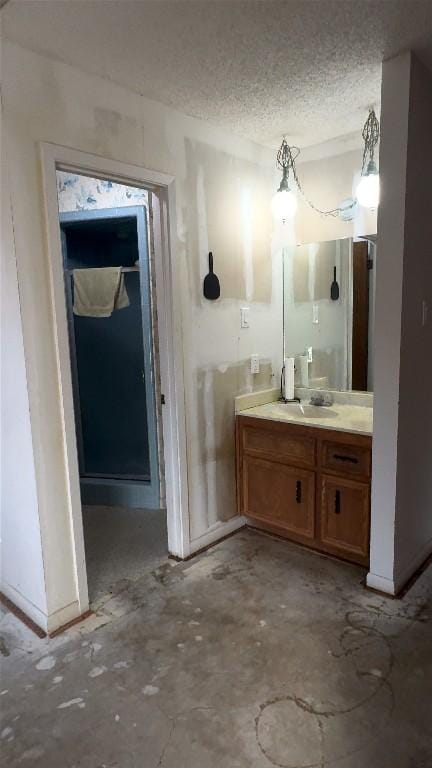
(337, 506)
(298, 491)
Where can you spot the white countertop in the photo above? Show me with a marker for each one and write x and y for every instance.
(343, 418)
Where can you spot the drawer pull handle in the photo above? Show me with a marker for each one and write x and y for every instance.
(337, 507)
(341, 457)
(298, 491)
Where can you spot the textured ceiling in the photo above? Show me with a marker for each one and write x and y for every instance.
(307, 68)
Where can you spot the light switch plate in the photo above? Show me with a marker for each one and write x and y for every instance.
(244, 317)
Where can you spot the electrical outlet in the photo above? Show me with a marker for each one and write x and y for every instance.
(254, 364)
(244, 317)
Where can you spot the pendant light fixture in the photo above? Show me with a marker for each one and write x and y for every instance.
(284, 202)
(369, 186)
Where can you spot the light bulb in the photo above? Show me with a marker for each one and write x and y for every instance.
(283, 205)
(369, 188)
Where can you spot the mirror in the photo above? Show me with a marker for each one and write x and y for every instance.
(328, 292)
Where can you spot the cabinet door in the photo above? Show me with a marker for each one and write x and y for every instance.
(281, 496)
(344, 518)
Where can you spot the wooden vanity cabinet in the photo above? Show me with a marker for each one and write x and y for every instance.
(307, 484)
(344, 517)
(281, 495)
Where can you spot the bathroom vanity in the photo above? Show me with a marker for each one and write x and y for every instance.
(304, 473)
(303, 469)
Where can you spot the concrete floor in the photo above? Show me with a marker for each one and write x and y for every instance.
(121, 543)
(254, 654)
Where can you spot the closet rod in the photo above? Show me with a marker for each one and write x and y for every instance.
(124, 269)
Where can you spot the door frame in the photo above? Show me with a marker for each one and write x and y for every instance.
(163, 221)
(360, 315)
(130, 489)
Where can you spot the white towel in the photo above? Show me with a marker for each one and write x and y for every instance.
(98, 292)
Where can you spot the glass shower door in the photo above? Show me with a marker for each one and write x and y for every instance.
(111, 382)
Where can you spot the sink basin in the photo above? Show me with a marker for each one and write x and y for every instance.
(309, 411)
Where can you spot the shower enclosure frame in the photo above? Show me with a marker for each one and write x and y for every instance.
(119, 490)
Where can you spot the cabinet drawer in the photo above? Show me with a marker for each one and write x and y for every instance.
(280, 495)
(279, 444)
(344, 518)
(352, 460)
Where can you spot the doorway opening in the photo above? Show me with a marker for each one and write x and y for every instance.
(108, 269)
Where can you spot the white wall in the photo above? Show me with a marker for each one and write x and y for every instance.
(388, 302)
(22, 572)
(223, 187)
(401, 535)
(413, 540)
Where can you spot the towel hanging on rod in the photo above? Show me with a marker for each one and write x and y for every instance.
(99, 291)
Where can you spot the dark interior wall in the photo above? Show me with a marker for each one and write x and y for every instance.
(110, 358)
(106, 243)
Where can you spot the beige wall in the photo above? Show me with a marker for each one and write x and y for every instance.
(223, 187)
(327, 182)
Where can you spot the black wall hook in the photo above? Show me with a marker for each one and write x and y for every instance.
(211, 287)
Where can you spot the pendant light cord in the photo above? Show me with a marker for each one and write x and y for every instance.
(335, 212)
(285, 160)
(286, 157)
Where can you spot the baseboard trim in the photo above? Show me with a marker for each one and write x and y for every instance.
(64, 616)
(32, 616)
(380, 584)
(72, 623)
(19, 613)
(399, 585)
(216, 533)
